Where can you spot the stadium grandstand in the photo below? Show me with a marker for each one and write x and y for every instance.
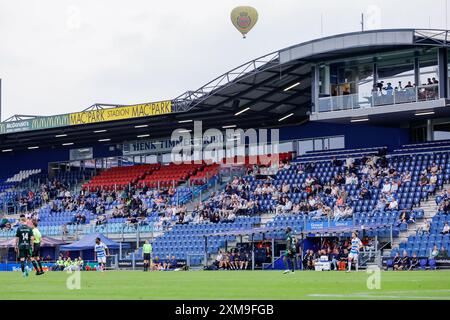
(363, 145)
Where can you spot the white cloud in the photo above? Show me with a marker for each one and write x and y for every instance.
(59, 56)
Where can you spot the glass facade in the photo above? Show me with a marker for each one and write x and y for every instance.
(381, 79)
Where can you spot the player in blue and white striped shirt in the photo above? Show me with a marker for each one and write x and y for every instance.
(101, 251)
(356, 244)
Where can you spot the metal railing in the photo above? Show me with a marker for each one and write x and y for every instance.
(378, 98)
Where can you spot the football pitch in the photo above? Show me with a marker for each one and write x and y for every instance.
(225, 285)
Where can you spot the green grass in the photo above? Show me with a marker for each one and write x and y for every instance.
(268, 285)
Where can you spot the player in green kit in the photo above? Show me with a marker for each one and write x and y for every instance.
(290, 253)
(36, 254)
(147, 251)
(24, 238)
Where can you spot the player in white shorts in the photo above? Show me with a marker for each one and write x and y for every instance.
(356, 244)
(101, 251)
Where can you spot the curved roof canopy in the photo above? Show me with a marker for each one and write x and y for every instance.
(268, 88)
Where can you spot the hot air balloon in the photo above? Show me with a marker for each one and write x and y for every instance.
(244, 19)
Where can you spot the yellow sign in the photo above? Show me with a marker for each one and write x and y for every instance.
(121, 113)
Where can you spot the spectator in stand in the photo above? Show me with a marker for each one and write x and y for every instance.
(335, 162)
(443, 254)
(319, 213)
(349, 161)
(432, 183)
(405, 265)
(343, 258)
(434, 252)
(397, 262)
(333, 257)
(414, 262)
(380, 206)
(393, 204)
(404, 217)
(339, 213)
(310, 260)
(157, 265)
(218, 261)
(365, 194)
(446, 228)
(244, 260)
(423, 180)
(425, 229)
(173, 263)
(406, 177)
(386, 187)
(167, 263)
(284, 206)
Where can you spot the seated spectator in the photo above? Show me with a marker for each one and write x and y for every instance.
(404, 217)
(218, 262)
(100, 220)
(335, 162)
(386, 187)
(319, 213)
(244, 259)
(414, 262)
(365, 194)
(349, 161)
(405, 265)
(173, 263)
(380, 206)
(167, 263)
(157, 265)
(284, 206)
(393, 204)
(425, 229)
(333, 257)
(309, 260)
(397, 262)
(406, 177)
(3, 222)
(443, 254)
(434, 252)
(423, 180)
(446, 228)
(339, 213)
(343, 259)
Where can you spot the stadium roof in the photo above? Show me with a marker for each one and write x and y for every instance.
(266, 90)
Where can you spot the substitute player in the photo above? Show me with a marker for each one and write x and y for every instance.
(356, 244)
(36, 253)
(290, 253)
(24, 238)
(101, 251)
(147, 251)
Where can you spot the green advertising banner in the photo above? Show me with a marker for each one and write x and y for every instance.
(34, 124)
(85, 117)
(49, 122)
